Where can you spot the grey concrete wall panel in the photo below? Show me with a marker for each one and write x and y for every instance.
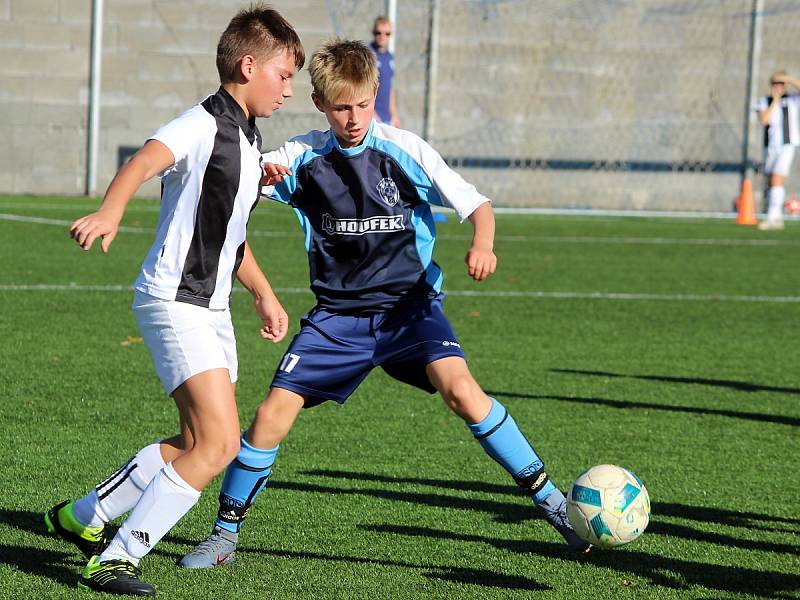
(645, 100)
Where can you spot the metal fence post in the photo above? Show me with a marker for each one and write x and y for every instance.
(754, 55)
(433, 62)
(93, 118)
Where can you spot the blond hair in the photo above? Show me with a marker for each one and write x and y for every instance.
(340, 67)
(259, 31)
(778, 73)
(381, 20)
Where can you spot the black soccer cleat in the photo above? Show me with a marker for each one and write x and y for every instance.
(114, 577)
(89, 540)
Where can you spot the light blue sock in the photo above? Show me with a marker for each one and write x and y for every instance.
(245, 478)
(503, 441)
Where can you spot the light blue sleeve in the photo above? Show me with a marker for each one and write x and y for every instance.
(435, 182)
(294, 154)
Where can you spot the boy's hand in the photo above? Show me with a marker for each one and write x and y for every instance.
(98, 224)
(481, 262)
(274, 318)
(274, 174)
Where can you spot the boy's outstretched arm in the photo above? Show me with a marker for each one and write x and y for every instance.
(273, 316)
(480, 259)
(153, 158)
(788, 80)
(274, 173)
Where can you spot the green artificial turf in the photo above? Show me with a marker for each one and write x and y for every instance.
(668, 346)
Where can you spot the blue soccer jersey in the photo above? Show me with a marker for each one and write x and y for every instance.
(383, 99)
(366, 214)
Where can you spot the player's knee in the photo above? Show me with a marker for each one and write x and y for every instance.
(463, 395)
(218, 455)
(230, 449)
(271, 425)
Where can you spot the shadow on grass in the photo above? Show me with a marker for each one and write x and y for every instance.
(519, 511)
(666, 572)
(736, 414)
(61, 567)
(741, 386)
(505, 512)
(462, 575)
(689, 533)
(64, 568)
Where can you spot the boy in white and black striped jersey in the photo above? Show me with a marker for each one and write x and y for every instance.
(779, 114)
(209, 161)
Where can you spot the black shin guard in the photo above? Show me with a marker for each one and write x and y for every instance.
(533, 482)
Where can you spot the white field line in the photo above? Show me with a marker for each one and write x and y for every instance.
(83, 208)
(147, 206)
(126, 229)
(471, 293)
(658, 241)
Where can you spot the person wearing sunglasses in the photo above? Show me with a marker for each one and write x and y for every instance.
(386, 100)
(779, 114)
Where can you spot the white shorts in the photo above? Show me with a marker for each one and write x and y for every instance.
(184, 339)
(778, 160)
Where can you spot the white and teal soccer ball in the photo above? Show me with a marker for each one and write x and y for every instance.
(608, 506)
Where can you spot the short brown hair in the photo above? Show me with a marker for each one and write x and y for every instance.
(260, 31)
(342, 66)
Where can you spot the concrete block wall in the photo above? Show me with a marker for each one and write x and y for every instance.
(650, 81)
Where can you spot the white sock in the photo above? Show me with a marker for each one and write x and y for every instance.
(119, 493)
(776, 197)
(162, 505)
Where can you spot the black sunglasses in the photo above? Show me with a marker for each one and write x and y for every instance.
(386, 33)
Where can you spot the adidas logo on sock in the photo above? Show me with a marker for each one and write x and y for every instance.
(142, 536)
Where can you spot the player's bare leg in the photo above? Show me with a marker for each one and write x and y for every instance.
(246, 477)
(498, 434)
(207, 405)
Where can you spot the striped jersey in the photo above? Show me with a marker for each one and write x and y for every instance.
(366, 214)
(783, 127)
(206, 199)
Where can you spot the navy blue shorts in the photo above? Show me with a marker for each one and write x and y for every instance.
(333, 353)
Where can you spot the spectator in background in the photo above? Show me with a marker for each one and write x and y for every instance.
(386, 100)
(779, 113)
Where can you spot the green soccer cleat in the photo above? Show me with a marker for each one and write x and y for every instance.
(114, 577)
(89, 540)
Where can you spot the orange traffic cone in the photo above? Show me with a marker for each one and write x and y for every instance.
(746, 204)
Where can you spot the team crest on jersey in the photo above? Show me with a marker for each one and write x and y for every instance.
(388, 191)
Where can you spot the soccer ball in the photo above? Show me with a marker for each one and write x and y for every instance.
(608, 506)
(792, 206)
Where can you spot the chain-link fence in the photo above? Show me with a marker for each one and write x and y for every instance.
(583, 103)
(576, 103)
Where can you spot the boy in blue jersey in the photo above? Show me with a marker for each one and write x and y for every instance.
(362, 191)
